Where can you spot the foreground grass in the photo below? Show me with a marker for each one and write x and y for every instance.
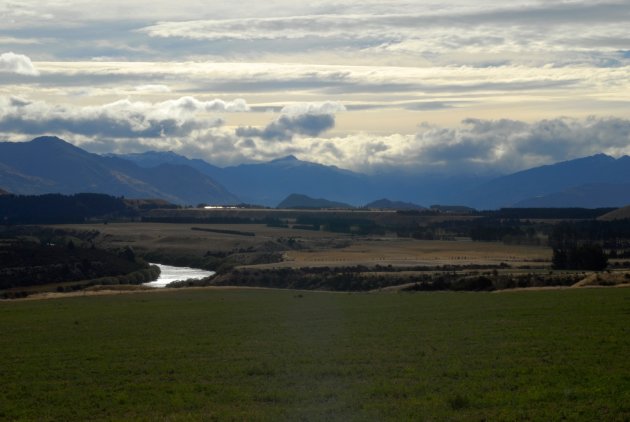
(269, 355)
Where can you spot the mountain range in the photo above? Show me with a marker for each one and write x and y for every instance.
(269, 183)
(566, 184)
(49, 164)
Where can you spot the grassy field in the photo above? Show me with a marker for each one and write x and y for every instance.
(270, 355)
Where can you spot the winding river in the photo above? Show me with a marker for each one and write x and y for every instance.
(168, 274)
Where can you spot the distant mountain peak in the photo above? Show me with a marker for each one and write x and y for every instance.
(49, 139)
(601, 155)
(55, 143)
(168, 153)
(288, 158)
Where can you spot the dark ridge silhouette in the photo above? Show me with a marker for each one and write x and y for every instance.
(298, 201)
(58, 209)
(386, 204)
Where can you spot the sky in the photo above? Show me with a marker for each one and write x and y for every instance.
(442, 86)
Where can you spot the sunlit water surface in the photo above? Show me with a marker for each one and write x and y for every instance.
(168, 274)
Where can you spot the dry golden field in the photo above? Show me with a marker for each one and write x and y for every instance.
(314, 248)
(410, 252)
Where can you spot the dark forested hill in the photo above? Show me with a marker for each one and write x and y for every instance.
(56, 208)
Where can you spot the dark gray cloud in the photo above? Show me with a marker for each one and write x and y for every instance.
(285, 127)
(100, 125)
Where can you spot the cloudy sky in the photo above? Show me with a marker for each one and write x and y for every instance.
(366, 85)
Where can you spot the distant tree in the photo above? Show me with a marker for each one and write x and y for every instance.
(128, 253)
(574, 250)
(587, 256)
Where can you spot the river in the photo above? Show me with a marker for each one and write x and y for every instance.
(168, 274)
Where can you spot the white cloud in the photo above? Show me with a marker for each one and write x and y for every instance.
(325, 107)
(295, 78)
(18, 40)
(17, 63)
(524, 32)
(152, 88)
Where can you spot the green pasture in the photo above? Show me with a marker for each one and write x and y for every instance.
(288, 355)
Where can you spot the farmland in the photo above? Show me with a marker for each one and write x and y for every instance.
(267, 256)
(355, 250)
(307, 247)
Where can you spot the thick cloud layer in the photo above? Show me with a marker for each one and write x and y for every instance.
(484, 145)
(120, 119)
(501, 146)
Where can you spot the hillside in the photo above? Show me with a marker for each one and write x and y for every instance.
(302, 201)
(618, 214)
(598, 195)
(541, 181)
(4, 192)
(156, 158)
(268, 183)
(51, 165)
